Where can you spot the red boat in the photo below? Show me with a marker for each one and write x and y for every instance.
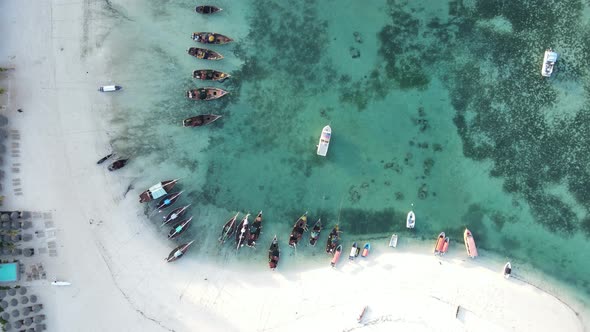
(445, 247)
(469, 244)
(336, 257)
(158, 190)
(440, 242)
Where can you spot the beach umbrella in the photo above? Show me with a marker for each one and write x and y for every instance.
(13, 302)
(24, 300)
(27, 225)
(27, 237)
(26, 311)
(28, 321)
(6, 224)
(15, 313)
(5, 217)
(33, 298)
(30, 329)
(22, 290)
(16, 238)
(18, 324)
(7, 326)
(37, 308)
(6, 251)
(4, 304)
(39, 328)
(6, 315)
(16, 225)
(39, 318)
(29, 252)
(15, 215)
(12, 292)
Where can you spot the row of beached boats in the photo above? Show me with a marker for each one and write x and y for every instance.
(206, 93)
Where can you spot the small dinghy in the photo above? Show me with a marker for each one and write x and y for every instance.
(366, 250)
(549, 62)
(205, 54)
(207, 9)
(315, 232)
(208, 93)
(200, 120)
(178, 252)
(469, 244)
(179, 228)
(158, 190)
(440, 242)
(175, 214)
(210, 38)
(393, 241)
(105, 158)
(353, 251)
(210, 75)
(228, 228)
(445, 247)
(324, 141)
(507, 270)
(336, 257)
(274, 254)
(118, 164)
(110, 88)
(167, 201)
(411, 220)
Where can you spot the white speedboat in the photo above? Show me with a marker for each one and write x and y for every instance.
(110, 88)
(324, 141)
(548, 62)
(411, 220)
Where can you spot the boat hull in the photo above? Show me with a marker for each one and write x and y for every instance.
(297, 231)
(207, 93)
(110, 88)
(210, 38)
(336, 257)
(204, 54)
(156, 191)
(440, 242)
(274, 254)
(179, 228)
(207, 9)
(549, 60)
(393, 241)
(470, 244)
(210, 75)
(200, 120)
(411, 220)
(118, 164)
(366, 250)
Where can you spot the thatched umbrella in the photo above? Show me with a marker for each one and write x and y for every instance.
(5, 217)
(28, 321)
(33, 298)
(14, 302)
(16, 225)
(27, 310)
(15, 313)
(5, 224)
(30, 329)
(27, 237)
(27, 225)
(18, 324)
(7, 326)
(15, 215)
(5, 315)
(22, 290)
(37, 307)
(16, 238)
(12, 292)
(24, 300)
(29, 252)
(4, 304)
(39, 327)
(39, 318)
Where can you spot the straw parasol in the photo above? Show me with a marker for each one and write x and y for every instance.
(39, 318)
(15, 313)
(15, 215)
(22, 290)
(2, 293)
(26, 311)
(7, 326)
(28, 321)
(37, 307)
(14, 302)
(24, 300)
(18, 324)
(6, 315)
(5, 217)
(16, 225)
(12, 292)
(33, 298)
(4, 304)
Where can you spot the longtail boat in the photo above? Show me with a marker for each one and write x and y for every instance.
(179, 228)
(208, 93)
(336, 257)
(158, 190)
(255, 230)
(469, 244)
(242, 232)
(118, 164)
(175, 214)
(298, 229)
(440, 242)
(200, 120)
(315, 232)
(207, 9)
(210, 75)
(333, 240)
(507, 271)
(210, 38)
(167, 201)
(178, 252)
(205, 54)
(274, 254)
(228, 228)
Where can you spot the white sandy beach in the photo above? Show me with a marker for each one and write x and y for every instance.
(115, 264)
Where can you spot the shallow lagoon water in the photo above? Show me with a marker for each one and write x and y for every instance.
(444, 109)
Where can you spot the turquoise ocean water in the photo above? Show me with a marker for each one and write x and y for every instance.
(445, 109)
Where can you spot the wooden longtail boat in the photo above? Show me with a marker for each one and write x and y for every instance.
(440, 242)
(118, 164)
(207, 9)
(178, 252)
(315, 232)
(210, 38)
(469, 244)
(179, 228)
(205, 54)
(207, 93)
(333, 240)
(158, 190)
(274, 254)
(242, 232)
(210, 75)
(175, 214)
(228, 228)
(200, 120)
(167, 201)
(255, 230)
(298, 229)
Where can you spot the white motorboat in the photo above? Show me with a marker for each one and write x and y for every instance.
(411, 220)
(110, 88)
(549, 62)
(324, 141)
(60, 283)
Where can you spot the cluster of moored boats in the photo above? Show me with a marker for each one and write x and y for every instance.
(206, 93)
